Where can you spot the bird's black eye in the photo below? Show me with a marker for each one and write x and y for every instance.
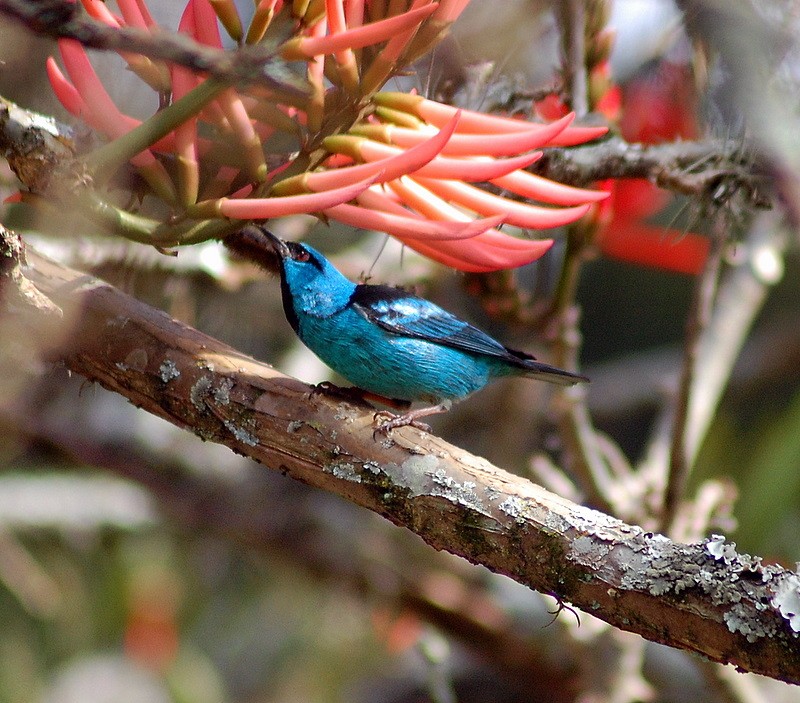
(298, 252)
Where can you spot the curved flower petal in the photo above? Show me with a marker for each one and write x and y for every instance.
(89, 87)
(529, 185)
(264, 208)
(101, 111)
(508, 144)
(489, 251)
(446, 167)
(132, 14)
(355, 38)
(204, 23)
(99, 10)
(345, 59)
(66, 93)
(478, 123)
(434, 209)
(386, 60)
(480, 256)
(416, 228)
(517, 214)
(574, 136)
(449, 10)
(402, 162)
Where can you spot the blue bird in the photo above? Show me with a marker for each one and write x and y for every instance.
(391, 343)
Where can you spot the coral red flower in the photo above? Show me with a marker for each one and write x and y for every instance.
(402, 165)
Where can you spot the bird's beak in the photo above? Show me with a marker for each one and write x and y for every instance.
(256, 244)
(277, 244)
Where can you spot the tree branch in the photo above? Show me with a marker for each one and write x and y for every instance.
(690, 168)
(703, 597)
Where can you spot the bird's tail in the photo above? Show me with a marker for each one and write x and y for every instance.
(544, 372)
(552, 374)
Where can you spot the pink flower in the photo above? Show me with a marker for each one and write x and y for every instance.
(404, 169)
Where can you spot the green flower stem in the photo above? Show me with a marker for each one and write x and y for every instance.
(195, 232)
(116, 220)
(111, 156)
(148, 231)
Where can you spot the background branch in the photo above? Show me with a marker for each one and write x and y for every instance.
(686, 167)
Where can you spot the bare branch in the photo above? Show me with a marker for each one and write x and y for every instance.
(690, 168)
(699, 319)
(703, 597)
(573, 19)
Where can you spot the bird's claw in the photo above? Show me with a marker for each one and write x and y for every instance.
(386, 421)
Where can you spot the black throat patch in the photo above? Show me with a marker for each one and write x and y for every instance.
(288, 304)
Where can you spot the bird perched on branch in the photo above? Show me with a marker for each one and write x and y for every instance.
(391, 343)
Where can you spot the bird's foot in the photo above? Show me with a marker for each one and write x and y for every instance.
(409, 419)
(385, 421)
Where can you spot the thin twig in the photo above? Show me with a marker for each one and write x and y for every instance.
(741, 295)
(700, 312)
(573, 14)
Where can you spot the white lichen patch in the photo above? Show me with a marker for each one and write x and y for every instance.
(734, 582)
(346, 471)
(721, 550)
(787, 600)
(222, 391)
(492, 493)
(738, 619)
(372, 467)
(586, 548)
(241, 434)
(514, 507)
(600, 525)
(199, 391)
(447, 487)
(168, 370)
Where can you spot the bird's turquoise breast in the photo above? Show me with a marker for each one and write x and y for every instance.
(390, 365)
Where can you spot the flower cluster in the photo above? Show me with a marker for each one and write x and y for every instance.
(392, 162)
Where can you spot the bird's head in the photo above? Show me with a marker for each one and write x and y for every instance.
(308, 279)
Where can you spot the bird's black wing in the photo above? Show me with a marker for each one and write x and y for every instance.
(401, 313)
(407, 315)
